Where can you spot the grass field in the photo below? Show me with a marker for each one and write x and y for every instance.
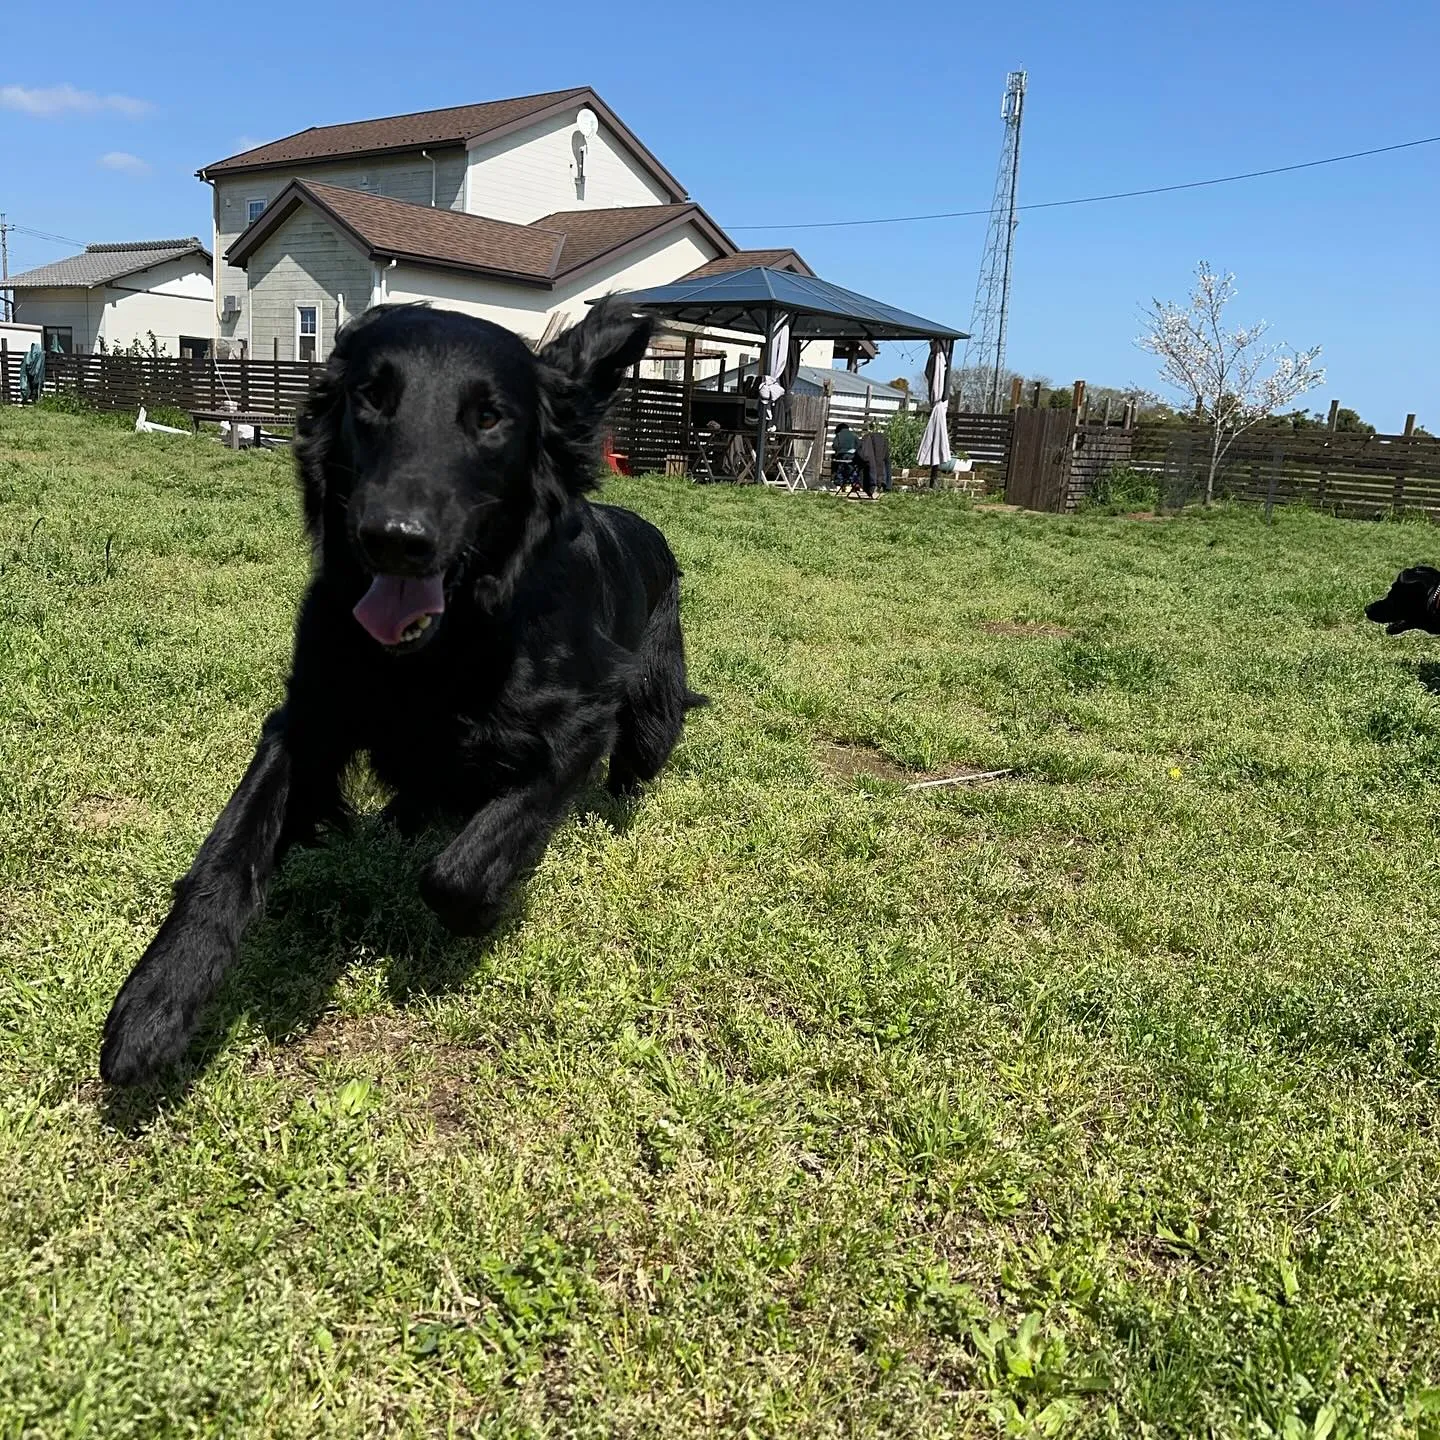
(1100, 1099)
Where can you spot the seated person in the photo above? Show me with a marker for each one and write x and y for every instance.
(845, 472)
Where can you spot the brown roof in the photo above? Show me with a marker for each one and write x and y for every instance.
(744, 259)
(593, 234)
(459, 125)
(394, 132)
(559, 245)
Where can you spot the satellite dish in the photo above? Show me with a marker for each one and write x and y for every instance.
(587, 123)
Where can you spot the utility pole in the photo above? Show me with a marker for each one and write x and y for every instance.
(5, 301)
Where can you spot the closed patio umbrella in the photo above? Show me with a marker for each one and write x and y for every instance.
(935, 442)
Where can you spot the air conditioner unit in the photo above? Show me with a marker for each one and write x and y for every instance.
(231, 306)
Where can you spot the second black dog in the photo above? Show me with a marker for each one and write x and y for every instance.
(473, 624)
(1412, 604)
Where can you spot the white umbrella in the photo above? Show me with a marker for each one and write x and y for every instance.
(935, 443)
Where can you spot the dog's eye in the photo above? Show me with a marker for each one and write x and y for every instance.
(486, 420)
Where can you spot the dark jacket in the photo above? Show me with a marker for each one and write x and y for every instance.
(874, 456)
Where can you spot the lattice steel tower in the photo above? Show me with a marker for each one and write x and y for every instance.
(982, 371)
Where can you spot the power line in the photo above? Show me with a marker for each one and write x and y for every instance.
(45, 235)
(1097, 199)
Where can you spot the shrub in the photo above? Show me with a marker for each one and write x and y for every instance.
(905, 430)
(1122, 487)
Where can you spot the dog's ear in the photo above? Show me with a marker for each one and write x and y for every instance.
(579, 373)
(317, 426)
(601, 348)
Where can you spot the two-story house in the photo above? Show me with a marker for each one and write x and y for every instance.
(517, 210)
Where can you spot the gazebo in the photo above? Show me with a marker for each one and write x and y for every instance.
(786, 309)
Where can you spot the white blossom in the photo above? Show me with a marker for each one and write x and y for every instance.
(1231, 378)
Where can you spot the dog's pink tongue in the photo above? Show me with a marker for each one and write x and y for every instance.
(393, 603)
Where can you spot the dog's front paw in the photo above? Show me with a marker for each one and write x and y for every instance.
(155, 1013)
(144, 1032)
(459, 910)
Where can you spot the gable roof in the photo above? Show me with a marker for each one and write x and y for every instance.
(100, 264)
(467, 125)
(593, 235)
(744, 259)
(555, 248)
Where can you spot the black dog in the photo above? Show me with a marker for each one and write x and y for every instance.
(1412, 604)
(473, 624)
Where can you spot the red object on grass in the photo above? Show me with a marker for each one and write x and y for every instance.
(619, 464)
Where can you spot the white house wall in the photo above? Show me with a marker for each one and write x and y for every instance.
(531, 173)
(81, 310)
(527, 311)
(168, 300)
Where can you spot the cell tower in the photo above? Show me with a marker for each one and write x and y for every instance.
(982, 370)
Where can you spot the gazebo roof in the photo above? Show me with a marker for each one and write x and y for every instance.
(743, 299)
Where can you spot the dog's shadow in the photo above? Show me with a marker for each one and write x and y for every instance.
(1427, 672)
(350, 901)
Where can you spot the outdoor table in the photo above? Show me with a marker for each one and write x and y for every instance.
(793, 449)
(237, 418)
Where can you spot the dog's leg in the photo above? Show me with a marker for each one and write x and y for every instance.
(466, 881)
(279, 802)
(653, 711)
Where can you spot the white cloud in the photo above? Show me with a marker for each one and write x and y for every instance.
(67, 100)
(124, 162)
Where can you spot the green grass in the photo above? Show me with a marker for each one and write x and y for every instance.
(1097, 1100)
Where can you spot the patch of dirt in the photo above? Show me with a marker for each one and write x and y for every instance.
(1022, 630)
(104, 812)
(844, 762)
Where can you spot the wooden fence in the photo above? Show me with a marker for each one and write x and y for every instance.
(126, 382)
(1368, 475)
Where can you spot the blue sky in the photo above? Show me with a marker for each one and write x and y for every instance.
(839, 111)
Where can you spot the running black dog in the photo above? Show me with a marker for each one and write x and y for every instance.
(473, 624)
(1412, 604)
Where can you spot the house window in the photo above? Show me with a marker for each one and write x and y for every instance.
(58, 339)
(194, 347)
(254, 209)
(307, 333)
(672, 369)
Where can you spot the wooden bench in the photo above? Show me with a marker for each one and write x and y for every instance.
(258, 419)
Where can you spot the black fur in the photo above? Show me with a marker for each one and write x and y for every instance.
(1412, 604)
(437, 443)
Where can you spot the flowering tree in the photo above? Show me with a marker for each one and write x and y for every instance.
(1232, 377)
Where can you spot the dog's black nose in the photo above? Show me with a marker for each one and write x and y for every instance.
(397, 544)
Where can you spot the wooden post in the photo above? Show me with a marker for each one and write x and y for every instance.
(687, 400)
(4, 371)
(244, 381)
(1106, 420)
(633, 445)
(866, 420)
(1017, 391)
(214, 361)
(1035, 397)
(1077, 396)
(275, 361)
(1334, 416)
(1397, 502)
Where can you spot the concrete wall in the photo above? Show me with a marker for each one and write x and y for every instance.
(531, 173)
